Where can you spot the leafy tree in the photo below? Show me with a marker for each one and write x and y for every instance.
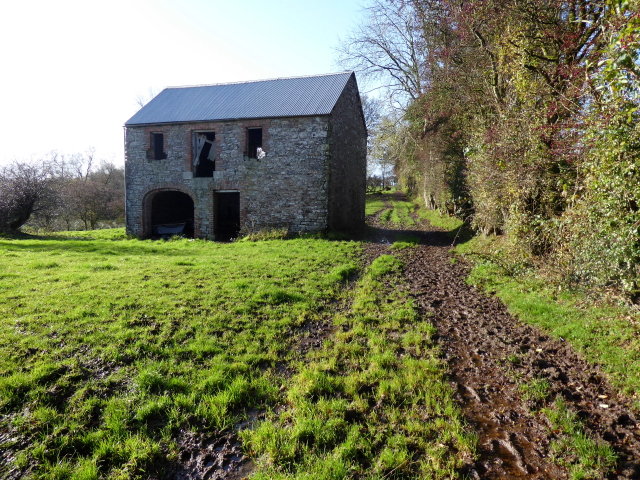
(523, 116)
(603, 229)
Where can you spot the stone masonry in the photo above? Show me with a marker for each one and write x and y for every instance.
(312, 178)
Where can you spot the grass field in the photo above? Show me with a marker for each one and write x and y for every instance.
(374, 402)
(111, 347)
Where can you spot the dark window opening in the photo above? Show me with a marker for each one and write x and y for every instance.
(227, 215)
(254, 141)
(203, 157)
(157, 146)
(171, 214)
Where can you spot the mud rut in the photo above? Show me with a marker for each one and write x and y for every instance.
(477, 336)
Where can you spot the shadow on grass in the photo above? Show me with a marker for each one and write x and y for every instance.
(85, 235)
(25, 236)
(23, 242)
(87, 245)
(123, 246)
(462, 234)
(432, 237)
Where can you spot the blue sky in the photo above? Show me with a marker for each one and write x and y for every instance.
(74, 70)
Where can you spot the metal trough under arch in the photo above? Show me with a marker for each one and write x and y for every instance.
(168, 212)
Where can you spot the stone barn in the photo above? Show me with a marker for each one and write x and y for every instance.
(211, 161)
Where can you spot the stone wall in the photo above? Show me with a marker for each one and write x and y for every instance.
(348, 161)
(288, 188)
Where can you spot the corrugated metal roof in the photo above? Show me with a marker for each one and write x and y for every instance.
(281, 97)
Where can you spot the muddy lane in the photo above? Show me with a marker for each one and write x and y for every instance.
(478, 337)
(512, 442)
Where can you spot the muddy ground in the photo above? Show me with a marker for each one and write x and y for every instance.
(490, 353)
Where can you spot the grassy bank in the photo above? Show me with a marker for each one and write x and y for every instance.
(109, 347)
(606, 334)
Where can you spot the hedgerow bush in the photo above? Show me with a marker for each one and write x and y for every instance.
(530, 120)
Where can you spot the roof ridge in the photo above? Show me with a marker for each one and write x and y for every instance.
(240, 82)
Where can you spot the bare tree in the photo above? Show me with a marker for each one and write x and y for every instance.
(99, 196)
(88, 192)
(143, 99)
(391, 47)
(25, 189)
(372, 110)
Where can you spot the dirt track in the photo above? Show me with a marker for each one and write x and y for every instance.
(490, 353)
(480, 341)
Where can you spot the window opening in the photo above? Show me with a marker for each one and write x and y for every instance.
(254, 142)
(157, 146)
(203, 158)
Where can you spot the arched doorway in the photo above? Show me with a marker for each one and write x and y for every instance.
(171, 214)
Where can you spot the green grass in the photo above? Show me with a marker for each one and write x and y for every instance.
(401, 245)
(584, 457)
(401, 213)
(605, 335)
(535, 390)
(110, 346)
(374, 402)
(440, 220)
(394, 212)
(374, 204)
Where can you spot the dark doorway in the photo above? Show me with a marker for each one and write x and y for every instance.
(227, 218)
(171, 214)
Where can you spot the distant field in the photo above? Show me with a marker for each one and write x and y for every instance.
(108, 345)
(392, 211)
